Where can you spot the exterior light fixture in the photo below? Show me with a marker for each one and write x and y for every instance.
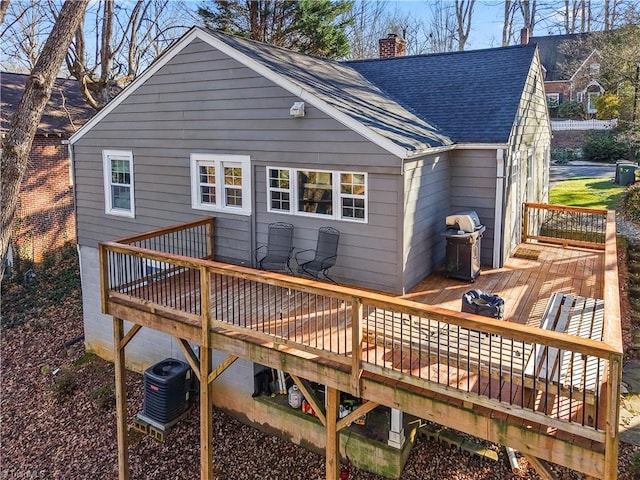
(297, 110)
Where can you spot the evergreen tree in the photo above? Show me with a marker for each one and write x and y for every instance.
(316, 27)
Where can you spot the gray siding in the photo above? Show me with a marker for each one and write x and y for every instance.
(473, 187)
(202, 101)
(426, 202)
(367, 253)
(527, 161)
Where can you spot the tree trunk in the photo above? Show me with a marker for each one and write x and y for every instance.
(4, 4)
(17, 144)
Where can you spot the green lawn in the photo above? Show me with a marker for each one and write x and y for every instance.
(587, 192)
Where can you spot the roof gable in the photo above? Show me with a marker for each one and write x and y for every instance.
(471, 96)
(553, 59)
(409, 106)
(65, 112)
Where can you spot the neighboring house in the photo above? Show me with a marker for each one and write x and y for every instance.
(215, 127)
(580, 83)
(45, 213)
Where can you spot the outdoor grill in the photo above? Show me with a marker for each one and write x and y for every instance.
(463, 234)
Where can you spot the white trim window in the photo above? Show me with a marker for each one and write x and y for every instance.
(553, 100)
(119, 197)
(221, 183)
(318, 193)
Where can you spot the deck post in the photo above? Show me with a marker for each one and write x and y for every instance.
(121, 399)
(332, 454)
(206, 404)
(356, 345)
(613, 414)
(525, 224)
(396, 432)
(104, 277)
(210, 238)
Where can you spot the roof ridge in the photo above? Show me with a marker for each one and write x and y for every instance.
(438, 54)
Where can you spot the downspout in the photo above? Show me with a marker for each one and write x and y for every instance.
(72, 176)
(498, 234)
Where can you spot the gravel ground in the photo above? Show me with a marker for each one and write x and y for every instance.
(57, 421)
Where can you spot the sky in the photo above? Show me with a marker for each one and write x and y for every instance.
(486, 22)
(488, 17)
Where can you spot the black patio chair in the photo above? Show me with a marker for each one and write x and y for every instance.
(276, 254)
(325, 254)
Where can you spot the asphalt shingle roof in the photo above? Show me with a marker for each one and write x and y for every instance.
(417, 101)
(345, 89)
(66, 111)
(471, 96)
(552, 58)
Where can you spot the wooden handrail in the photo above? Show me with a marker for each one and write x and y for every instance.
(566, 208)
(510, 330)
(163, 231)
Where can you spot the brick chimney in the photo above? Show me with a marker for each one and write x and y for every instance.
(524, 36)
(392, 46)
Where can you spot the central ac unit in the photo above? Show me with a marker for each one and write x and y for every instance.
(167, 390)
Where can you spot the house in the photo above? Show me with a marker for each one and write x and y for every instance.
(45, 213)
(573, 77)
(250, 134)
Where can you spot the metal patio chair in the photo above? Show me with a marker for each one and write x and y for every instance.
(325, 255)
(276, 254)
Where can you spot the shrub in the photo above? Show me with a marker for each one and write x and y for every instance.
(571, 109)
(64, 385)
(631, 202)
(604, 147)
(635, 463)
(608, 106)
(104, 396)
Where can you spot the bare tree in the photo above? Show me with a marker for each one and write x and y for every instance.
(23, 35)
(528, 8)
(17, 144)
(370, 21)
(441, 29)
(127, 38)
(510, 9)
(464, 12)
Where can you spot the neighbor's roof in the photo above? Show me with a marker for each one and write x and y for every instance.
(552, 58)
(472, 96)
(65, 113)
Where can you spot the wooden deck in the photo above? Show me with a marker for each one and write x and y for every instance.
(417, 353)
(526, 282)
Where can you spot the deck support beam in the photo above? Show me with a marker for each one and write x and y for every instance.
(332, 455)
(310, 396)
(121, 397)
(541, 467)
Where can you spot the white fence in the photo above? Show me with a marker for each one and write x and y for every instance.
(584, 124)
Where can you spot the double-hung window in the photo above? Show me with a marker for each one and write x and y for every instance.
(118, 182)
(317, 193)
(221, 183)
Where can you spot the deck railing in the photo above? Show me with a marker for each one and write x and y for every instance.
(563, 225)
(478, 360)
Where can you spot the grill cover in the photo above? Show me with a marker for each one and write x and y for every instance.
(467, 221)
